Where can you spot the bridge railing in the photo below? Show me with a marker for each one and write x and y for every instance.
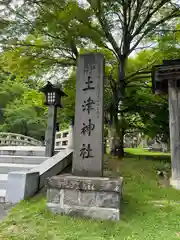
(14, 139)
(63, 139)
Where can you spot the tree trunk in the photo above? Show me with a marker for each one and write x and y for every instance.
(117, 138)
(25, 128)
(118, 146)
(117, 117)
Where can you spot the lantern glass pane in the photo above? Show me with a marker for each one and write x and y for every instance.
(51, 97)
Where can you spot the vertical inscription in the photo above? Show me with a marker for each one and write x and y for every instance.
(98, 99)
(88, 105)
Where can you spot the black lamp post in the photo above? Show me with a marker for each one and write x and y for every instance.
(53, 94)
(72, 121)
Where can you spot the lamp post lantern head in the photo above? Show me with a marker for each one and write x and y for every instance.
(53, 94)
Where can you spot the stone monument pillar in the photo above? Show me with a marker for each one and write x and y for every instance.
(89, 117)
(86, 192)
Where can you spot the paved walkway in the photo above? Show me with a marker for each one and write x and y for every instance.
(3, 213)
(4, 209)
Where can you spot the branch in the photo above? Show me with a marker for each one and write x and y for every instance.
(112, 50)
(125, 8)
(19, 15)
(104, 25)
(149, 15)
(120, 20)
(113, 83)
(151, 28)
(129, 7)
(50, 35)
(126, 36)
(139, 72)
(27, 45)
(149, 46)
(136, 14)
(141, 86)
(65, 63)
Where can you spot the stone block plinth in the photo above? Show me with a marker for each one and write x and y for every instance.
(21, 185)
(94, 197)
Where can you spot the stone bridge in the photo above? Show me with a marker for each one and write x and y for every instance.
(14, 139)
(24, 166)
(63, 139)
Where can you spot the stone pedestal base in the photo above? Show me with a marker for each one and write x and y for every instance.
(92, 197)
(175, 183)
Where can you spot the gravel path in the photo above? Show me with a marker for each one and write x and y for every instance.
(4, 209)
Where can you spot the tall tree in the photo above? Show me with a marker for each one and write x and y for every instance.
(56, 31)
(21, 109)
(26, 115)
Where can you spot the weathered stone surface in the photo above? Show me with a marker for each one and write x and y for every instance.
(89, 116)
(84, 198)
(85, 183)
(108, 199)
(87, 199)
(89, 202)
(71, 197)
(175, 183)
(21, 185)
(53, 165)
(53, 195)
(92, 212)
(100, 199)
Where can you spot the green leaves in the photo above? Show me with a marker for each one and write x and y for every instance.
(26, 115)
(44, 39)
(21, 108)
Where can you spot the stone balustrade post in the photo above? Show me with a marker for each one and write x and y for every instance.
(71, 135)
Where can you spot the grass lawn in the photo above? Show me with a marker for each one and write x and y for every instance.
(149, 212)
(141, 151)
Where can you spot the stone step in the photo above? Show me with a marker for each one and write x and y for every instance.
(12, 167)
(22, 159)
(22, 150)
(3, 181)
(2, 195)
